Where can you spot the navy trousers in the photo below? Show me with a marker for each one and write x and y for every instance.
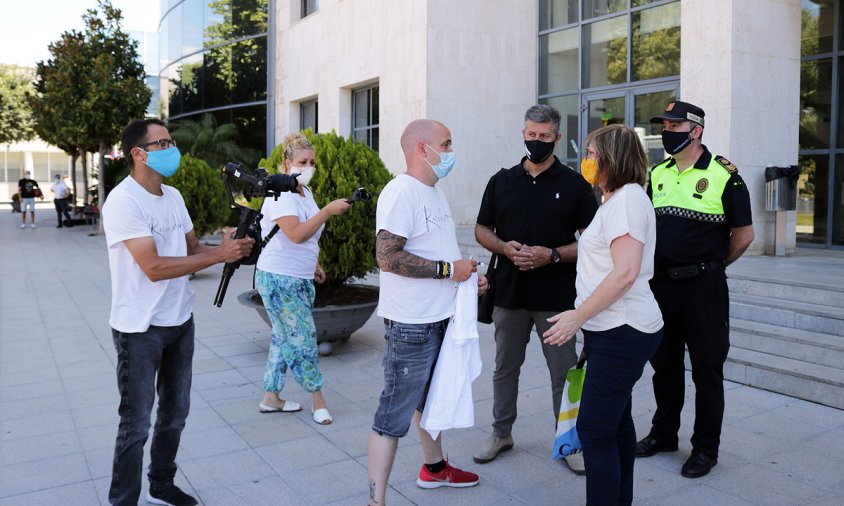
(615, 359)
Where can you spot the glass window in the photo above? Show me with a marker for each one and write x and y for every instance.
(639, 3)
(59, 163)
(838, 199)
(569, 146)
(815, 103)
(816, 28)
(14, 168)
(605, 52)
(309, 7)
(192, 26)
(174, 34)
(558, 61)
(645, 107)
(365, 116)
(309, 115)
(656, 42)
(812, 198)
(595, 8)
(553, 13)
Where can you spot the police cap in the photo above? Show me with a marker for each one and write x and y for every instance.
(681, 111)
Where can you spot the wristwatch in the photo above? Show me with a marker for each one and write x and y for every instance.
(555, 256)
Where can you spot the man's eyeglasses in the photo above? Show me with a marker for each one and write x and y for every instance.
(162, 143)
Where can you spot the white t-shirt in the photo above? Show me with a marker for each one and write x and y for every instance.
(60, 189)
(628, 211)
(419, 213)
(281, 255)
(136, 302)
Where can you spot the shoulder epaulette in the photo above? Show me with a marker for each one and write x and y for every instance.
(726, 164)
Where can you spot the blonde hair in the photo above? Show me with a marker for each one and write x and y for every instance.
(295, 142)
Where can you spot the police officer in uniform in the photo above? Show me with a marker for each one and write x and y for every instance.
(703, 224)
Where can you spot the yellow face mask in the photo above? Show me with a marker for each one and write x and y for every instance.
(589, 170)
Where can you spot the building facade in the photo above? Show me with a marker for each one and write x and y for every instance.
(765, 71)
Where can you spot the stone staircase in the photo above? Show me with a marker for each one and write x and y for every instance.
(788, 337)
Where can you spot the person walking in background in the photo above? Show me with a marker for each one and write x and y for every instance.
(417, 252)
(286, 271)
(620, 319)
(61, 193)
(27, 191)
(528, 217)
(151, 251)
(704, 223)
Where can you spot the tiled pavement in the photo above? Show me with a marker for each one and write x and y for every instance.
(58, 410)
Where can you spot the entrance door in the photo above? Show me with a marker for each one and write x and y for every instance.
(633, 107)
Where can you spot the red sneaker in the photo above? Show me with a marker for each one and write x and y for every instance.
(448, 477)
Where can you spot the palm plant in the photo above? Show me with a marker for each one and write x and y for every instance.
(206, 140)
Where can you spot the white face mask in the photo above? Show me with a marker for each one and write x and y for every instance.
(305, 174)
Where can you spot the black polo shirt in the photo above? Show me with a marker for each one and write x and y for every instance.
(546, 211)
(684, 240)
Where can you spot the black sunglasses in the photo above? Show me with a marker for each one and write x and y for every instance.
(162, 143)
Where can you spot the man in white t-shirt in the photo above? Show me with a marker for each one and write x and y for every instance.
(151, 251)
(417, 252)
(62, 192)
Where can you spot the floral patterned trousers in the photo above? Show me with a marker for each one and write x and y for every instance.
(289, 303)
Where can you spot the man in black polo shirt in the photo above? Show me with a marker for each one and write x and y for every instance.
(528, 217)
(703, 223)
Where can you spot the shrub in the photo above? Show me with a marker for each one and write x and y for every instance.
(347, 245)
(204, 193)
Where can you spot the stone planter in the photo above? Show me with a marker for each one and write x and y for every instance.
(333, 323)
(16, 206)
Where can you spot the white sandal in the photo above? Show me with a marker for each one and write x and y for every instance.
(287, 407)
(322, 416)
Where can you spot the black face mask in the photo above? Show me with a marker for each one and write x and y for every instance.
(674, 142)
(538, 151)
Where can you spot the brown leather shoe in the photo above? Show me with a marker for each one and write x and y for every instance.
(492, 446)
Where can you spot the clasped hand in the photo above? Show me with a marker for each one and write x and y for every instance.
(527, 257)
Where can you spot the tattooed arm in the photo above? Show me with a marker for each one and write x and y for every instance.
(391, 257)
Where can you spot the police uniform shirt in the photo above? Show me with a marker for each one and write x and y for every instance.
(691, 225)
(546, 211)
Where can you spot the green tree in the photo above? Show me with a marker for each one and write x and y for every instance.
(204, 193)
(117, 92)
(16, 122)
(59, 88)
(216, 144)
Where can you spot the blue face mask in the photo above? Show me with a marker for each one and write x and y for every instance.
(165, 162)
(446, 162)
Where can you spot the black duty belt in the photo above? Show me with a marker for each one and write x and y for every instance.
(688, 271)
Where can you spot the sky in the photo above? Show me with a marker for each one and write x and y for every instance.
(27, 27)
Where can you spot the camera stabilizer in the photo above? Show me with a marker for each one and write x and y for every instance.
(259, 185)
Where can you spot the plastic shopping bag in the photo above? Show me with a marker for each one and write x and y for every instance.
(566, 441)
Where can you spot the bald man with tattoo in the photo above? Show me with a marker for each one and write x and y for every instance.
(416, 249)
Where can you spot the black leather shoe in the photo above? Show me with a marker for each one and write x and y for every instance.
(699, 464)
(650, 446)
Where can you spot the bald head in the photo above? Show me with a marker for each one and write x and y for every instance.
(421, 130)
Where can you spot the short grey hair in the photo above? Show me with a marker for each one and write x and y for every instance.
(544, 113)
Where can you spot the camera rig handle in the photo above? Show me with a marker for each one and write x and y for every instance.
(248, 224)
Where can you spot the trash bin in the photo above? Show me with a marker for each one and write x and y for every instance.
(781, 188)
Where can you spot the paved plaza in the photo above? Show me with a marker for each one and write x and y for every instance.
(58, 410)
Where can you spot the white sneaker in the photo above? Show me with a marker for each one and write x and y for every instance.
(23, 225)
(33, 225)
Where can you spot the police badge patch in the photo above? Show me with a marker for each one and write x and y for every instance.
(702, 185)
(659, 187)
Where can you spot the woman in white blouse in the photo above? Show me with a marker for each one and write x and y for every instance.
(620, 319)
(287, 269)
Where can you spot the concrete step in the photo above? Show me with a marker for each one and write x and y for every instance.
(829, 294)
(812, 382)
(788, 313)
(809, 347)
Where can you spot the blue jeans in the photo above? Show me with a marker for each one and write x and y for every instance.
(165, 352)
(615, 359)
(409, 360)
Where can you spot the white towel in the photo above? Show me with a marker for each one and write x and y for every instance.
(449, 404)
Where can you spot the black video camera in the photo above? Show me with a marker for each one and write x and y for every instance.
(359, 195)
(261, 184)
